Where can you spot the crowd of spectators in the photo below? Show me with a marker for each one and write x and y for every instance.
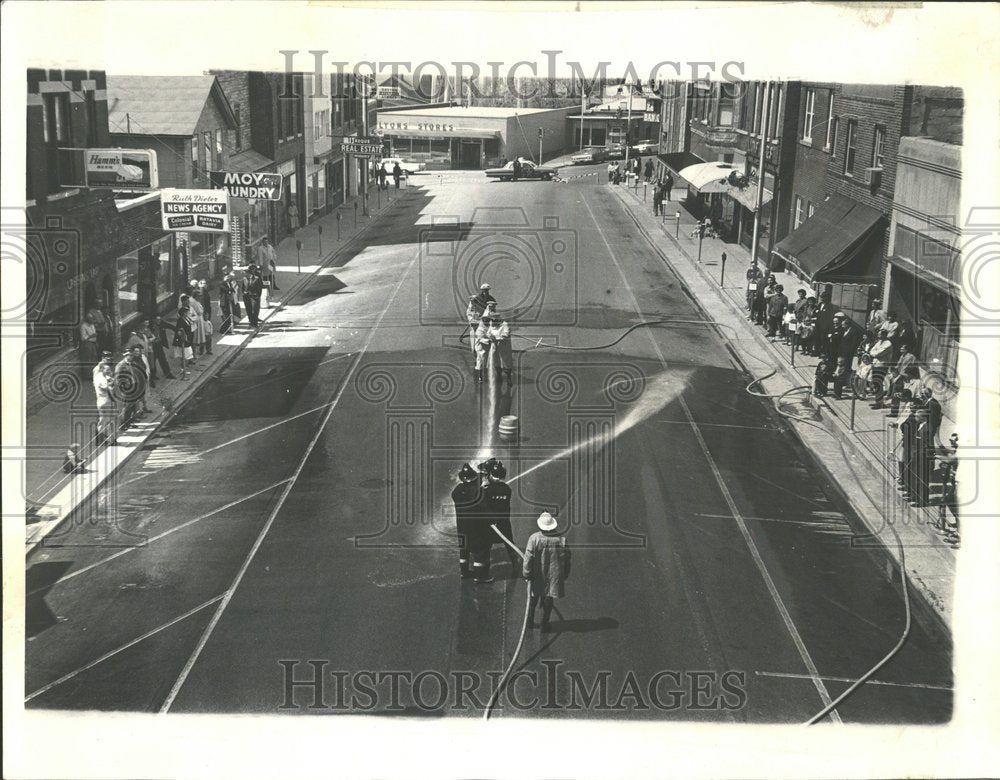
(885, 353)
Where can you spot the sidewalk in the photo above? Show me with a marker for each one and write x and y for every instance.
(64, 410)
(859, 457)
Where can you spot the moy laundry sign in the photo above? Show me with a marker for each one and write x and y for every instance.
(265, 186)
(206, 211)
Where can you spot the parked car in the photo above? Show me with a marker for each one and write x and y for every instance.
(645, 147)
(616, 151)
(590, 154)
(387, 164)
(528, 171)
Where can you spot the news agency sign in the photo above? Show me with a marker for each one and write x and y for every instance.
(363, 147)
(263, 186)
(204, 211)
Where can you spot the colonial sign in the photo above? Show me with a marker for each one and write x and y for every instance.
(365, 147)
(266, 186)
(206, 211)
(123, 169)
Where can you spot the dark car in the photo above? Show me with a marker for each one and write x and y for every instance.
(528, 171)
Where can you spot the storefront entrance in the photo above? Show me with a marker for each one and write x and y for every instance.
(466, 155)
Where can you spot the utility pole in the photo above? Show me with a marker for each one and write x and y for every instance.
(760, 172)
(541, 135)
(363, 190)
(628, 124)
(583, 110)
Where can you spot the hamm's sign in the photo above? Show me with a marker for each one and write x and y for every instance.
(205, 211)
(263, 186)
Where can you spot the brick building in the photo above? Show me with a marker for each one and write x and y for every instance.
(86, 247)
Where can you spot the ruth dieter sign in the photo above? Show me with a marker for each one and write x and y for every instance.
(364, 147)
(125, 169)
(196, 210)
(262, 186)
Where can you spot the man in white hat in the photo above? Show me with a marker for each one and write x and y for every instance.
(546, 567)
(476, 309)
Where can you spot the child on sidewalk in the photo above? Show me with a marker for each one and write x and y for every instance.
(789, 324)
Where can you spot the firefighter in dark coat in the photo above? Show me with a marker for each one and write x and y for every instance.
(466, 497)
(496, 499)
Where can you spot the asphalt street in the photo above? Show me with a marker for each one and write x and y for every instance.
(295, 518)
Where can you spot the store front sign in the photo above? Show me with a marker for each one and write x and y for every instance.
(123, 169)
(265, 186)
(362, 146)
(204, 211)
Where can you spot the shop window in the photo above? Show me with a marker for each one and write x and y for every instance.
(128, 287)
(165, 268)
(440, 145)
(321, 189)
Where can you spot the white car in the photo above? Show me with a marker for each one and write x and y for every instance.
(646, 147)
(387, 164)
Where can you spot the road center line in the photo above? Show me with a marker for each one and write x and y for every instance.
(227, 597)
(730, 502)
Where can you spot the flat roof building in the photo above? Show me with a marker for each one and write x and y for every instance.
(473, 137)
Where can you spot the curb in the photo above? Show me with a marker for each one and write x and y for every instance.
(931, 600)
(204, 378)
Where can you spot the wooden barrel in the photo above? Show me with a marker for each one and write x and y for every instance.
(509, 428)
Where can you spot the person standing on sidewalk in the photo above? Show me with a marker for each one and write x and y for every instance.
(649, 170)
(777, 304)
(546, 566)
(139, 339)
(293, 216)
(183, 338)
(99, 319)
(880, 353)
(88, 343)
(267, 259)
(382, 184)
(668, 185)
(903, 372)
(657, 199)
(228, 305)
(252, 287)
(846, 340)
(158, 337)
(104, 391)
(205, 299)
(397, 173)
(755, 277)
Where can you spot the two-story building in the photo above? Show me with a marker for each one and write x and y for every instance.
(189, 122)
(91, 229)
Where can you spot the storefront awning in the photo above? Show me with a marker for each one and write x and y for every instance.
(840, 242)
(678, 161)
(707, 177)
(458, 132)
(249, 161)
(747, 197)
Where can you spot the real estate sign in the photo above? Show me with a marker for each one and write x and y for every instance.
(265, 186)
(205, 211)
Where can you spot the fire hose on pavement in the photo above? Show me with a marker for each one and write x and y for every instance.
(777, 399)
